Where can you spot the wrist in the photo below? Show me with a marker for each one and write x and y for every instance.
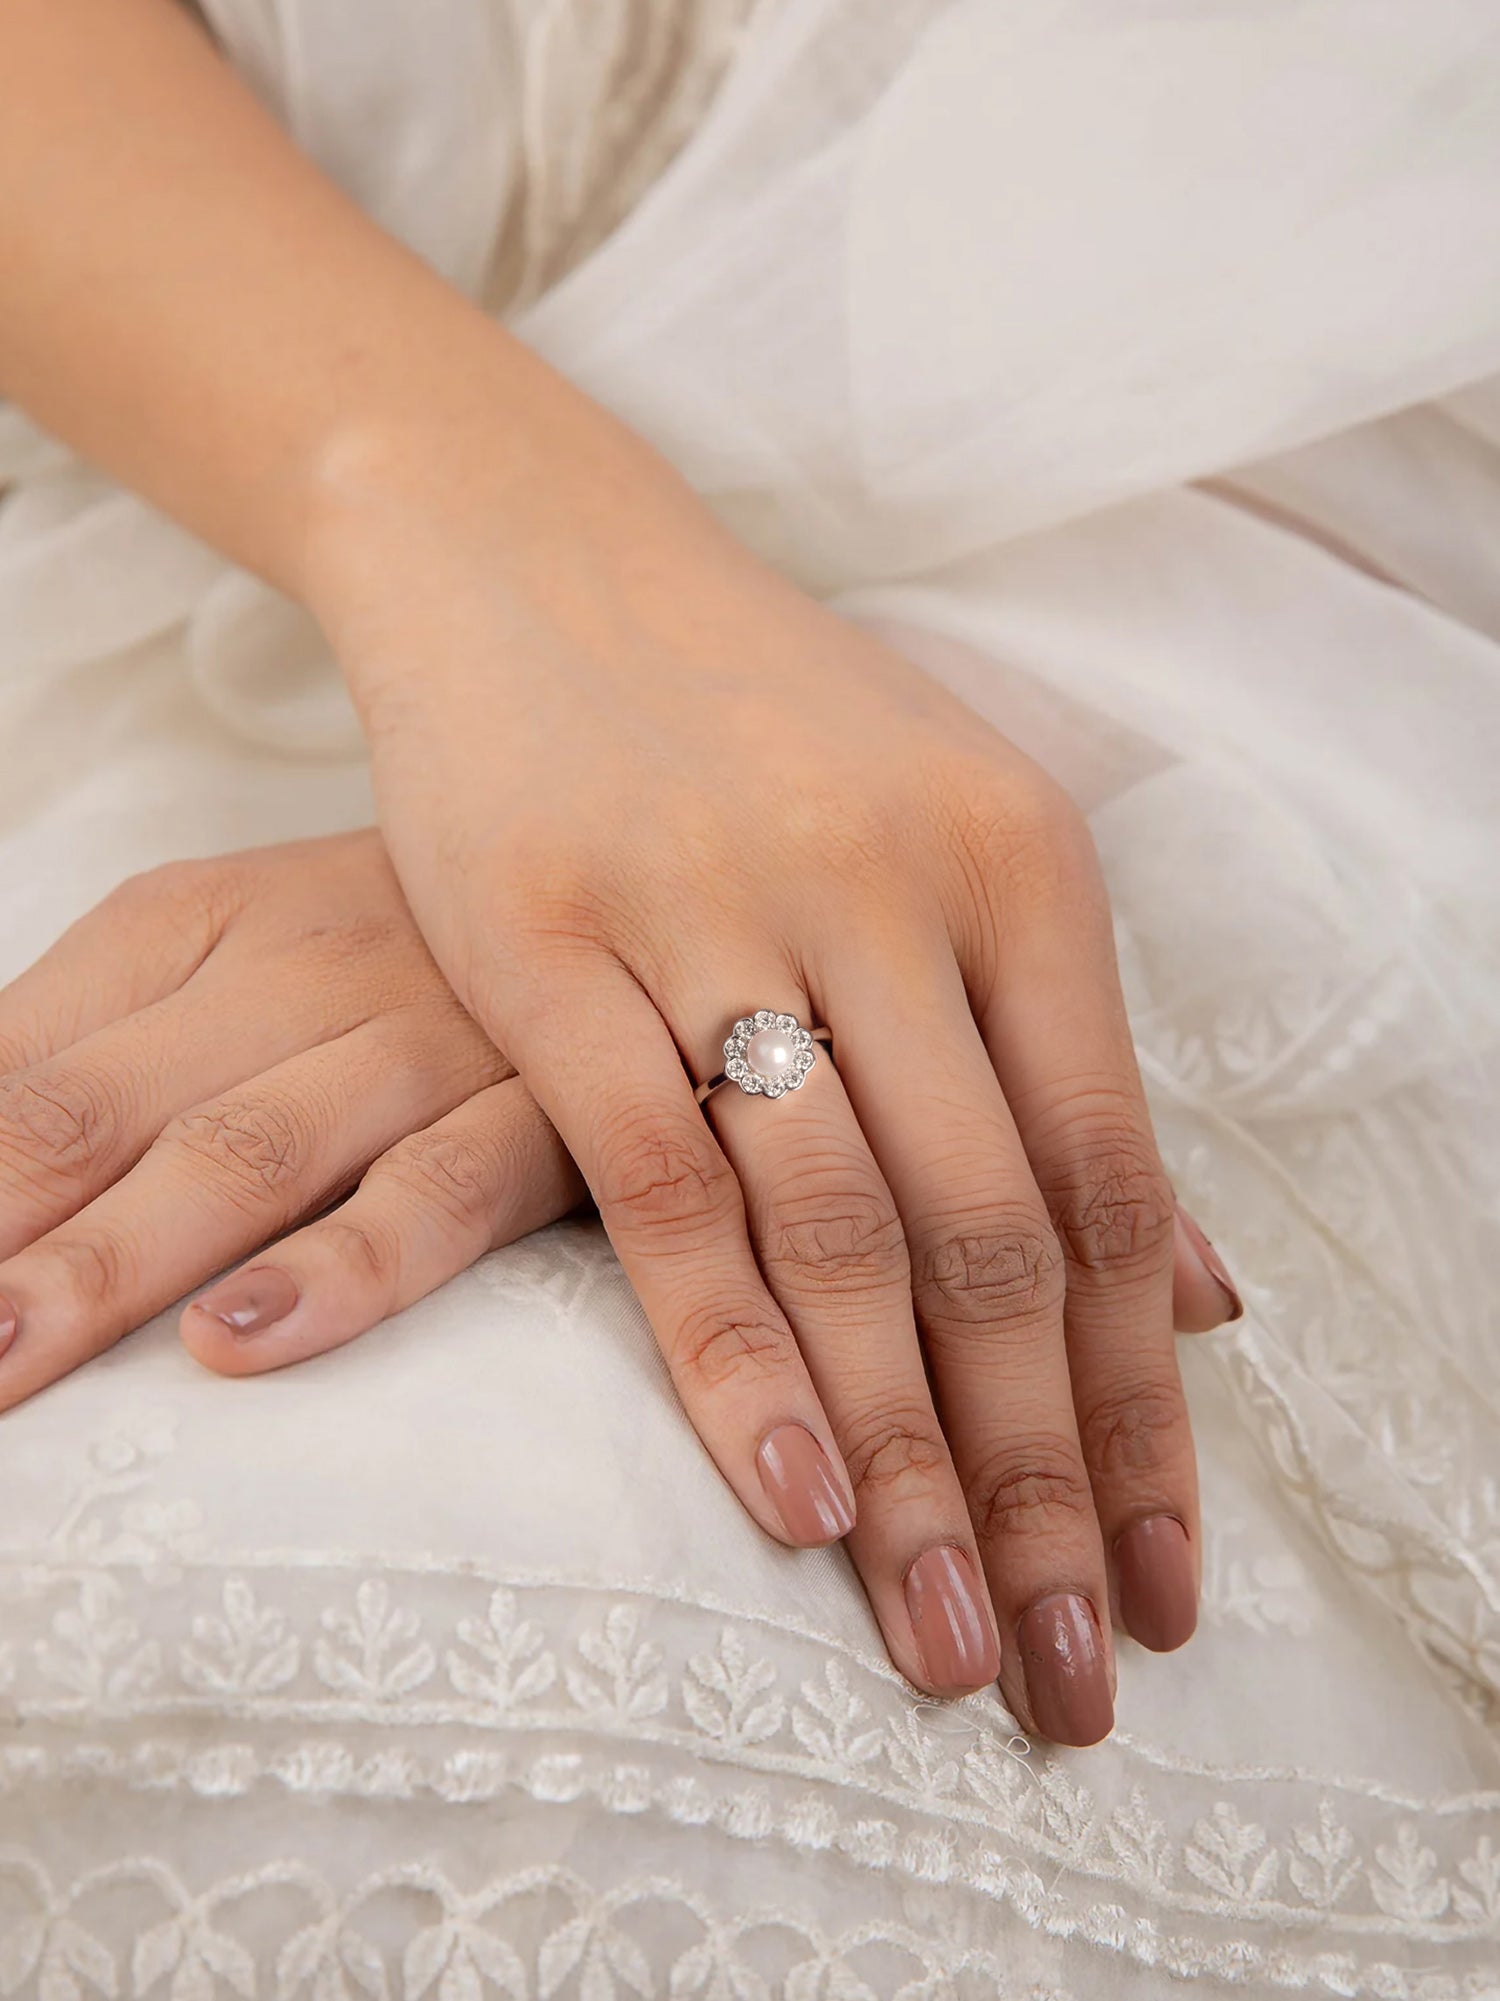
(497, 474)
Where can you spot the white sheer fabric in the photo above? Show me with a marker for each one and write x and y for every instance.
(1134, 366)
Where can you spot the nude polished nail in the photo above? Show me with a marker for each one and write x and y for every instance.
(1067, 1671)
(1211, 1262)
(955, 1641)
(250, 1301)
(9, 1320)
(1158, 1591)
(802, 1488)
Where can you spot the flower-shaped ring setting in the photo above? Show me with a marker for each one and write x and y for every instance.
(767, 1054)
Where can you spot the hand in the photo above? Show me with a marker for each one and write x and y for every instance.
(576, 651)
(217, 1052)
(635, 786)
(100, 1136)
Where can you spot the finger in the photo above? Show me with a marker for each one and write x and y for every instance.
(987, 1282)
(143, 942)
(489, 1173)
(1203, 1293)
(1054, 1023)
(74, 1123)
(600, 1060)
(829, 1241)
(218, 1182)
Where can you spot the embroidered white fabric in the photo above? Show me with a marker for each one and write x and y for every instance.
(1136, 367)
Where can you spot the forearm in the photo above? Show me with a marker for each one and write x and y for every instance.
(192, 305)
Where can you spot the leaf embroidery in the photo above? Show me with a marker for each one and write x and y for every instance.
(1406, 1883)
(246, 1652)
(1481, 1871)
(329, 1964)
(628, 1683)
(710, 1971)
(1139, 1842)
(730, 1697)
(196, 1956)
(1225, 1853)
(374, 1667)
(829, 1727)
(460, 1959)
(515, 1665)
(98, 1652)
(826, 1979)
(601, 1953)
(996, 1772)
(918, 1758)
(1322, 1868)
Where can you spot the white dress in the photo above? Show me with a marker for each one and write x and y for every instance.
(1138, 367)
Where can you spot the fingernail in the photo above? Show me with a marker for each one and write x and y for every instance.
(795, 1473)
(8, 1324)
(1067, 1674)
(955, 1642)
(1211, 1263)
(1158, 1593)
(251, 1300)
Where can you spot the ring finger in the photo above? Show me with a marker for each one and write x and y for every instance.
(829, 1242)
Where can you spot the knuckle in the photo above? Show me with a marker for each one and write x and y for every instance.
(714, 1348)
(1051, 868)
(67, 1121)
(835, 1242)
(195, 893)
(258, 1147)
(1116, 1211)
(1134, 1430)
(175, 882)
(896, 1456)
(664, 1177)
(1031, 1489)
(363, 1247)
(453, 1172)
(93, 1272)
(1020, 829)
(996, 1270)
(364, 937)
(1019, 852)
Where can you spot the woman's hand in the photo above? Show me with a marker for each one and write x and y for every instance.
(217, 1052)
(123, 1188)
(635, 787)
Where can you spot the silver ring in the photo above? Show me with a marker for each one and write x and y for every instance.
(767, 1054)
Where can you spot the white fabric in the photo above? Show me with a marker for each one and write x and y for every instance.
(1131, 364)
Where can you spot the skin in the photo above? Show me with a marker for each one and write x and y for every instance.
(632, 784)
(143, 1147)
(158, 1122)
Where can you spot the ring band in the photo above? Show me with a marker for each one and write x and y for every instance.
(767, 1054)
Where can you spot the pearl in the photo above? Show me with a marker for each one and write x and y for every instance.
(770, 1053)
